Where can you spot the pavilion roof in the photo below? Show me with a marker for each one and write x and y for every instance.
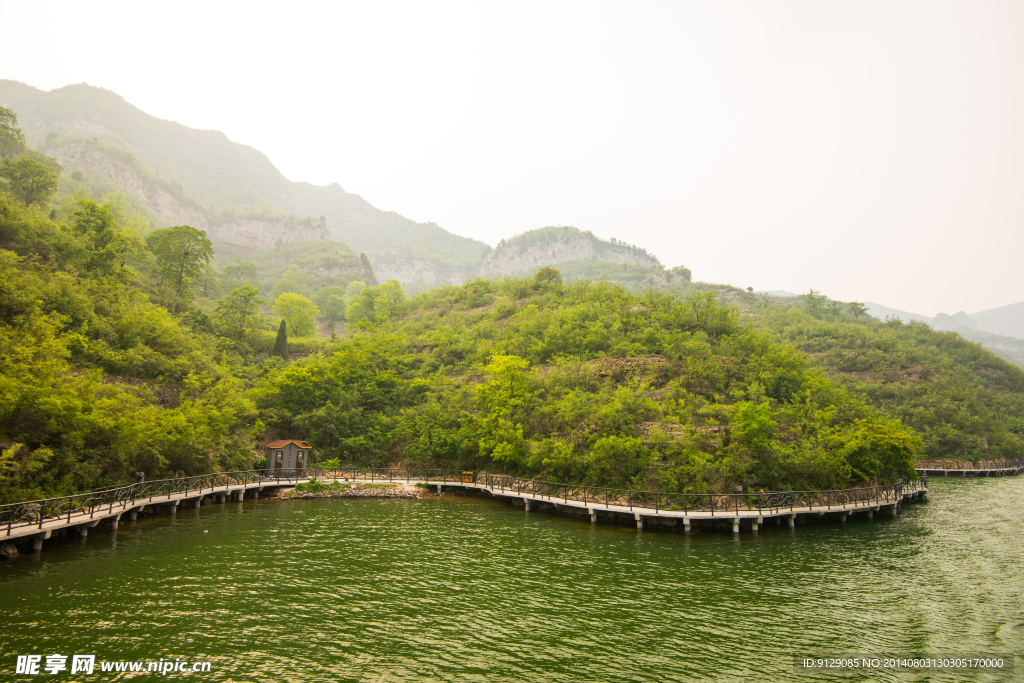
(284, 442)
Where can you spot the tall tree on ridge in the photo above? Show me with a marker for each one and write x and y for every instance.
(281, 343)
(181, 252)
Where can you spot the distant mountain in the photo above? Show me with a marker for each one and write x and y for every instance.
(203, 178)
(955, 323)
(1005, 320)
(577, 254)
(179, 175)
(884, 312)
(967, 326)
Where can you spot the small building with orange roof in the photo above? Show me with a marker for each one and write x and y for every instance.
(287, 457)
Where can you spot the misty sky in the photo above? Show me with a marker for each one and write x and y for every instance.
(871, 150)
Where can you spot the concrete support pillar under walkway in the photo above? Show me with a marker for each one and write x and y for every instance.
(83, 531)
(756, 523)
(526, 504)
(736, 524)
(686, 524)
(792, 521)
(173, 507)
(639, 521)
(439, 489)
(197, 503)
(113, 522)
(593, 516)
(37, 541)
(240, 495)
(133, 515)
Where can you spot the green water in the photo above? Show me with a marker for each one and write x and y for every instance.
(462, 589)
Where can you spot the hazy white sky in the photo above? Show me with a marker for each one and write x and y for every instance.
(871, 150)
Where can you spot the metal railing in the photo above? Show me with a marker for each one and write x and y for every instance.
(102, 502)
(725, 503)
(774, 502)
(80, 508)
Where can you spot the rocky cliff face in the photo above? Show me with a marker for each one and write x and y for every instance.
(245, 234)
(526, 256)
(408, 271)
(237, 236)
(162, 201)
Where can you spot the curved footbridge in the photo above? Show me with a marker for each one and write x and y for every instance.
(749, 510)
(39, 520)
(669, 509)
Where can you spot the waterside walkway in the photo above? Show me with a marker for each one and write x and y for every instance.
(39, 520)
(971, 469)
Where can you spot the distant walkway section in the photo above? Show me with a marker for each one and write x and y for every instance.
(960, 468)
(39, 519)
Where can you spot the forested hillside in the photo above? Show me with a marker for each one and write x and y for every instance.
(123, 348)
(964, 401)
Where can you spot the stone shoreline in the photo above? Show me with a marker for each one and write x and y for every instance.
(361, 491)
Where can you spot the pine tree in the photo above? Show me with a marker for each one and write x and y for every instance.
(281, 344)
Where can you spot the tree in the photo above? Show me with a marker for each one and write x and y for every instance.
(548, 275)
(281, 343)
(12, 141)
(882, 449)
(683, 272)
(389, 300)
(95, 223)
(299, 312)
(240, 310)
(181, 252)
(353, 290)
(362, 307)
(294, 280)
(331, 302)
(856, 309)
(30, 180)
(126, 216)
(709, 315)
(754, 425)
(126, 245)
(814, 303)
(243, 271)
(501, 397)
(210, 277)
(370, 279)
(507, 384)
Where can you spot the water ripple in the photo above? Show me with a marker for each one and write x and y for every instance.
(472, 590)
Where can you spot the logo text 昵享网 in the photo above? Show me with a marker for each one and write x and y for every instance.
(33, 665)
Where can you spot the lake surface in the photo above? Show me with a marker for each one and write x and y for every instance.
(468, 589)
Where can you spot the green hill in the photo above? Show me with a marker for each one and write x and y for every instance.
(110, 366)
(579, 254)
(1009, 347)
(965, 401)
